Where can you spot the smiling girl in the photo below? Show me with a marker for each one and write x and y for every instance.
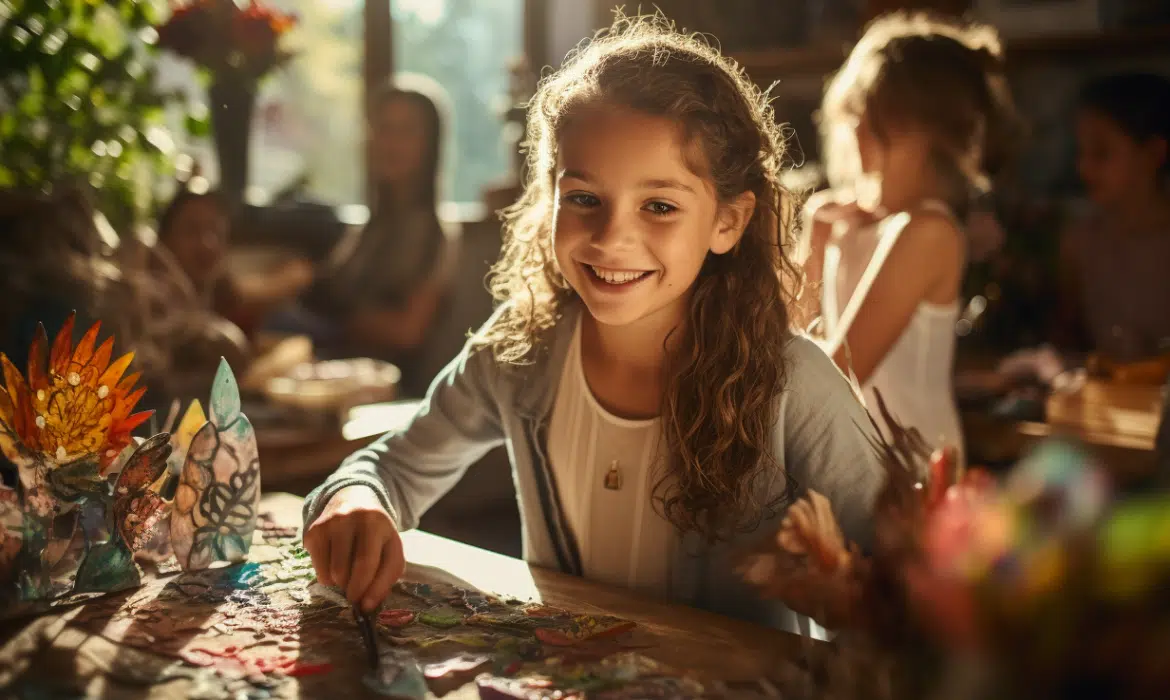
(658, 412)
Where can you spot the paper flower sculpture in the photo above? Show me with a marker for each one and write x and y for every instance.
(86, 496)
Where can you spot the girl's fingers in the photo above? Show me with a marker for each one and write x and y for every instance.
(390, 568)
(791, 542)
(318, 547)
(341, 553)
(367, 559)
(802, 519)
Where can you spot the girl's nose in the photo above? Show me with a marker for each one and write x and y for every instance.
(612, 231)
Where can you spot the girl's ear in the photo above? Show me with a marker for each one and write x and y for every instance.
(733, 219)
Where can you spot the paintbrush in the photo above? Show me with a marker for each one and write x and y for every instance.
(365, 623)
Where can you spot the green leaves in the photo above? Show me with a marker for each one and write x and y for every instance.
(81, 85)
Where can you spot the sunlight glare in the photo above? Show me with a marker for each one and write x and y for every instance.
(340, 5)
(427, 11)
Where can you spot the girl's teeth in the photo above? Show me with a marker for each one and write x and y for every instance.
(616, 276)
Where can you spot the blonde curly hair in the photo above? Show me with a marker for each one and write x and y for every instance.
(722, 381)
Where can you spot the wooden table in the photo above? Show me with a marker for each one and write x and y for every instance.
(1117, 422)
(50, 649)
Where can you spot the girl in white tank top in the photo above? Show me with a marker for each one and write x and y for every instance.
(914, 376)
(912, 126)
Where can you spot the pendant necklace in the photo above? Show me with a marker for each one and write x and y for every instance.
(613, 477)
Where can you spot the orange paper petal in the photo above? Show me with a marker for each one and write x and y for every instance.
(22, 417)
(114, 373)
(101, 358)
(84, 351)
(63, 346)
(37, 354)
(128, 383)
(127, 426)
(7, 411)
(125, 404)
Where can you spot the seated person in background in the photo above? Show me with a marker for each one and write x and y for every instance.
(386, 281)
(1116, 288)
(53, 262)
(193, 236)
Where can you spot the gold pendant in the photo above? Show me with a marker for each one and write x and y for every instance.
(613, 477)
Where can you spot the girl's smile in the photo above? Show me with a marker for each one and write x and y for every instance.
(616, 279)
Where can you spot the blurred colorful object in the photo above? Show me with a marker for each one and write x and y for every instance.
(86, 497)
(225, 37)
(1051, 580)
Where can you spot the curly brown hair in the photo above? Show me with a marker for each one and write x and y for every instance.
(938, 74)
(725, 374)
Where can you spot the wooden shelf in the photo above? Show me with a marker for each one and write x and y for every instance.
(767, 65)
(1125, 42)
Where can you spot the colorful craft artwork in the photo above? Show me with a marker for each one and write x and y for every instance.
(80, 497)
(266, 623)
(219, 486)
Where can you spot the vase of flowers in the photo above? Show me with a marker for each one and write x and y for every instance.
(237, 45)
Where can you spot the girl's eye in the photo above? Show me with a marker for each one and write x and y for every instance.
(582, 199)
(661, 208)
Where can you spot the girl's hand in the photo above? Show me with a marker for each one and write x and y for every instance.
(810, 569)
(355, 547)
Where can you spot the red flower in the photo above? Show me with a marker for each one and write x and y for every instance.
(197, 30)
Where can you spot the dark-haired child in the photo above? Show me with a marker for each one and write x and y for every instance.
(1116, 263)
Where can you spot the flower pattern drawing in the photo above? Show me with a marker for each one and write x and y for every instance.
(218, 494)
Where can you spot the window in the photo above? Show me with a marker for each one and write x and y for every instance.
(309, 126)
(467, 47)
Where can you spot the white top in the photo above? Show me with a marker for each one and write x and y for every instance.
(623, 541)
(915, 377)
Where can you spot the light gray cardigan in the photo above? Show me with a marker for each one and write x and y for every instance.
(822, 441)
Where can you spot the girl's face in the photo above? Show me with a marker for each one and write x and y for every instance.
(398, 142)
(633, 222)
(1111, 163)
(198, 238)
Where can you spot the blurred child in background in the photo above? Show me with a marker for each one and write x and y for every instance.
(1116, 284)
(916, 120)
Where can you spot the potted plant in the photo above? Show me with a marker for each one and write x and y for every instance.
(237, 45)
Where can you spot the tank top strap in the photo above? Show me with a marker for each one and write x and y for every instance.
(890, 229)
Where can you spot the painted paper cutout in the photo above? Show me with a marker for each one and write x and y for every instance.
(11, 531)
(63, 426)
(181, 439)
(219, 488)
(138, 509)
(88, 497)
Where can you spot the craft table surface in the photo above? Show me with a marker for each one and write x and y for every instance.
(48, 648)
